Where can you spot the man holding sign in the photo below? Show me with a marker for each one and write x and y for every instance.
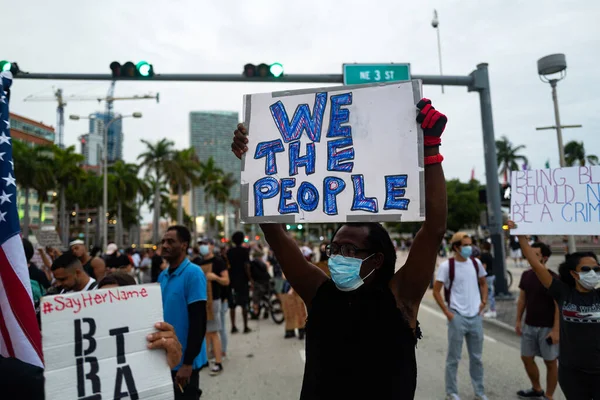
(362, 324)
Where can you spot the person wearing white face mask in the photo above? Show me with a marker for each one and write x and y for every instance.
(362, 327)
(464, 280)
(578, 300)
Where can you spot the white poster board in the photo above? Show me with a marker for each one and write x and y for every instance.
(94, 344)
(559, 201)
(342, 154)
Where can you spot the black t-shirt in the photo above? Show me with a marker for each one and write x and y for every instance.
(87, 267)
(514, 243)
(238, 258)
(155, 270)
(579, 327)
(338, 367)
(259, 272)
(218, 266)
(38, 275)
(277, 272)
(117, 261)
(539, 304)
(488, 261)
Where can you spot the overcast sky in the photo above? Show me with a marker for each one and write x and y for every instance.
(314, 36)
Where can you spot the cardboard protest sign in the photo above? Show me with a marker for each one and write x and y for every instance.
(342, 154)
(94, 345)
(559, 201)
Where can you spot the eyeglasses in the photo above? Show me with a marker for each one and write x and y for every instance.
(346, 250)
(585, 268)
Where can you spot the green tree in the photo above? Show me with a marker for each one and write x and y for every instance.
(155, 161)
(575, 155)
(31, 169)
(66, 169)
(508, 156)
(124, 185)
(464, 209)
(209, 174)
(182, 170)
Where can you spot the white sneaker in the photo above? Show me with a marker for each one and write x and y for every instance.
(490, 314)
(452, 396)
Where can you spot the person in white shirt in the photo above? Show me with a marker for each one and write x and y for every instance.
(463, 278)
(70, 275)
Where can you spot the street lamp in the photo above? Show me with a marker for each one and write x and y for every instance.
(435, 22)
(105, 166)
(552, 69)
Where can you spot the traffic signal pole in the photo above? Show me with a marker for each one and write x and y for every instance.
(476, 81)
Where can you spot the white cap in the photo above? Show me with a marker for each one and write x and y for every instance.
(76, 241)
(111, 249)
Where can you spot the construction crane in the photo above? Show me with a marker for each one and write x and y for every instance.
(62, 102)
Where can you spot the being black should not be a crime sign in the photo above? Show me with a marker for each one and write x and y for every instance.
(94, 345)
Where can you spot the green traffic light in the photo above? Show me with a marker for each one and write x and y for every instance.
(276, 70)
(143, 68)
(5, 66)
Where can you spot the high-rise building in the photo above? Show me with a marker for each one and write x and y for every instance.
(210, 136)
(34, 134)
(115, 134)
(91, 148)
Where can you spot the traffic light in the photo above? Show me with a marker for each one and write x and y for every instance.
(263, 70)
(142, 69)
(13, 67)
(505, 192)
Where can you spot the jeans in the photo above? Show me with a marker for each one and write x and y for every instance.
(491, 292)
(471, 329)
(191, 391)
(223, 331)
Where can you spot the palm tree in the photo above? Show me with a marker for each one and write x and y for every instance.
(65, 169)
(183, 168)
(125, 185)
(90, 197)
(31, 171)
(575, 155)
(508, 156)
(210, 173)
(155, 159)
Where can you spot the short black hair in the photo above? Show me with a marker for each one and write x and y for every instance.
(570, 264)
(379, 241)
(65, 260)
(544, 248)
(183, 233)
(238, 238)
(117, 278)
(28, 247)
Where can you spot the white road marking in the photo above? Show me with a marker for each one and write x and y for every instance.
(442, 316)
(303, 355)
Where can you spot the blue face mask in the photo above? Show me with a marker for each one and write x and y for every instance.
(345, 272)
(204, 249)
(466, 251)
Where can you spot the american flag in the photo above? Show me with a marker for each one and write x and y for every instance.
(19, 331)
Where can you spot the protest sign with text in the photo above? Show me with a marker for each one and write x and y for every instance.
(95, 345)
(342, 154)
(559, 201)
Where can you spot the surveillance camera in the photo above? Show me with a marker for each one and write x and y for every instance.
(435, 23)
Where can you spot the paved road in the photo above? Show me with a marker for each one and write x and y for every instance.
(263, 365)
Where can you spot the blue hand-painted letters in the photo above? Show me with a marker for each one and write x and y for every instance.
(305, 197)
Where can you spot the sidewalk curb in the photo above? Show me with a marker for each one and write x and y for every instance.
(499, 324)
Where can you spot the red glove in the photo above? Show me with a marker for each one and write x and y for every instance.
(432, 121)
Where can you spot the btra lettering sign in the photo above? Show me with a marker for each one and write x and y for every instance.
(345, 154)
(559, 201)
(94, 345)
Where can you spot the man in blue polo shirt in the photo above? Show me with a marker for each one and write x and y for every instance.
(183, 287)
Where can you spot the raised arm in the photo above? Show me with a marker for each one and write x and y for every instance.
(540, 270)
(304, 277)
(412, 280)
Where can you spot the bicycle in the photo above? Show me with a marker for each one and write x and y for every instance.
(270, 305)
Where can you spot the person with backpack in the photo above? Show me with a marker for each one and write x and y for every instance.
(465, 288)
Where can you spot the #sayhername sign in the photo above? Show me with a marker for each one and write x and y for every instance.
(559, 201)
(342, 154)
(94, 345)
